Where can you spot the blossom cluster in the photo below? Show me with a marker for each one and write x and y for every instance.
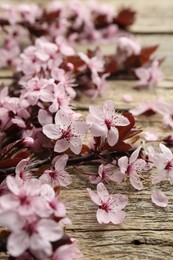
(74, 20)
(35, 217)
(44, 140)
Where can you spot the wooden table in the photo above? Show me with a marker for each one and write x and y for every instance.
(147, 232)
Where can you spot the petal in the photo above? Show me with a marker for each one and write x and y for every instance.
(117, 217)
(21, 165)
(9, 201)
(160, 176)
(61, 145)
(44, 117)
(76, 145)
(94, 196)
(80, 128)
(123, 164)
(117, 176)
(102, 192)
(32, 186)
(49, 229)
(13, 184)
(118, 201)
(11, 220)
(102, 216)
(134, 155)
(99, 130)
(135, 181)
(18, 243)
(52, 131)
(159, 198)
(61, 162)
(39, 243)
(166, 151)
(112, 136)
(62, 119)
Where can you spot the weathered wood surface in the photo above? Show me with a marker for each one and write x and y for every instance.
(147, 231)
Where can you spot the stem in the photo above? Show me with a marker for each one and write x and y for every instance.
(73, 161)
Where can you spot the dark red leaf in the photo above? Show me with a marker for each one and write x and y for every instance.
(125, 17)
(8, 163)
(146, 53)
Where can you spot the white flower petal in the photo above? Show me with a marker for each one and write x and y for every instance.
(159, 198)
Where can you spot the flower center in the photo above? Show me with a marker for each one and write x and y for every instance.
(108, 123)
(169, 165)
(67, 134)
(104, 206)
(24, 199)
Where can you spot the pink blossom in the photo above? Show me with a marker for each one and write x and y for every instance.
(150, 135)
(159, 198)
(67, 252)
(94, 64)
(147, 108)
(150, 75)
(166, 110)
(9, 53)
(65, 79)
(21, 170)
(24, 196)
(110, 206)
(164, 164)
(104, 174)
(67, 132)
(130, 167)
(57, 176)
(31, 233)
(127, 47)
(51, 205)
(104, 121)
(60, 99)
(29, 12)
(127, 98)
(38, 89)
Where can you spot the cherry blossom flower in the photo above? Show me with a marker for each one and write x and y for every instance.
(9, 53)
(166, 110)
(29, 13)
(67, 252)
(164, 164)
(110, 206)
(104, 122)
(51, 205)
(104, 174)
(24, 196)
(57, 176)
(38, 89)
(130, 167)
(150, 75)
(146, 108)
(159, 198)
(30, 233)
(67, 132)
(150, 135)
(127, 47)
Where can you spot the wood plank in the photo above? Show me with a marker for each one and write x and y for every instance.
(149, 14)
(127, 245)
(141, 213)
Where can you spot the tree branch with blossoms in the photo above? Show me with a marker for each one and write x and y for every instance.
(43, 137)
